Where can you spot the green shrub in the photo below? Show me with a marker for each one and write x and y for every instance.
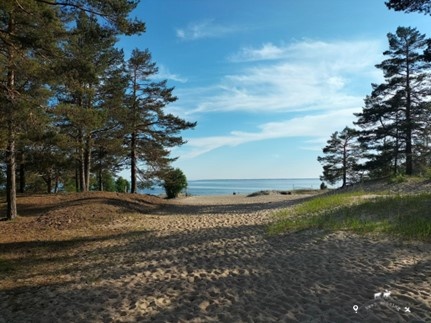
(427, 174)
(122, 185)
(397, 179)
(174, 181)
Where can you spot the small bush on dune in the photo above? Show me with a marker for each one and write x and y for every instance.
(174, 182)
(398, 179)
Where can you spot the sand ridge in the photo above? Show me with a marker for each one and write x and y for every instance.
(209, 259)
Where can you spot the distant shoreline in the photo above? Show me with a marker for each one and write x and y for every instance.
(243, 186)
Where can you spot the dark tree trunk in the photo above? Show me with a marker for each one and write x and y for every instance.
(87, 163)
(409, 153)
(57, 179)
(344, 165)
(100, 170)
(11, 210)
(48, 181)
(21, 177)
(133, 166)
(100, 179)
(82, 187)
(77, 187)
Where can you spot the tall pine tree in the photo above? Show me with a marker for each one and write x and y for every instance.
(396, 112)
(29, 32)
(150, 130)
(89, 56)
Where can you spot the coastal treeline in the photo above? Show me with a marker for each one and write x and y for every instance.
(74, 109)
(391, 136)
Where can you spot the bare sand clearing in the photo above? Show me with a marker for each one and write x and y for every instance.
(209, 259)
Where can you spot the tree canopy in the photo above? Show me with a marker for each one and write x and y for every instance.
(396, 114)
(394, 136)
(71, 102)
(340, 158)
(423, 6)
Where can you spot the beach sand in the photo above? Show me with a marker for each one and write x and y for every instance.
(210, 259)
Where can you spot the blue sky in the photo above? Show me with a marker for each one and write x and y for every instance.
(268, 81)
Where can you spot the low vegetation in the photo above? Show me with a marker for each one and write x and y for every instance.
(406, 216)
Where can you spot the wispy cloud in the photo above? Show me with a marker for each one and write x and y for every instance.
(315, 86)
(267, 52)
(310, 49)
(317, 126)
(165, 73)
(306, 76)
(205, 29)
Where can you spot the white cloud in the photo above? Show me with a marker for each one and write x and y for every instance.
(205, 29)
(164, 73)
(267, 52)
(320, 83)
(318, 126)
(306, 76)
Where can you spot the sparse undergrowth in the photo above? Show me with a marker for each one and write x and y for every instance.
(405, 216)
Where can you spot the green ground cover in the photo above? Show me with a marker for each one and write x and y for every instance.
(407, 216)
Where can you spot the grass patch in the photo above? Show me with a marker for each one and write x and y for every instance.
(406, 216)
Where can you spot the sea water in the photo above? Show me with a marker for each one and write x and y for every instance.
(242, 186)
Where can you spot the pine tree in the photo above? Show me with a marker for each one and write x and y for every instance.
(380, 137)
(109, 153)
(395, 113)
(89, 56)
(150, 131)
(28, 35)
(341, 158)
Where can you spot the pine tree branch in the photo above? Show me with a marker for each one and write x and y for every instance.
(73, 5)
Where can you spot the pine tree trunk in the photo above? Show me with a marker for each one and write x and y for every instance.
(21, 177)
(49, 185)
(56, 184)
(409, 153)
(133, 182)
(82, 187)
(11, 210)
(100, 179)
(77, 188)
(87, 163)
(100, 171)
(344, 165)
(397, 150)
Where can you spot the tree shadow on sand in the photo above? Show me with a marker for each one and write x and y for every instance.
(222, 274)
(233, 208)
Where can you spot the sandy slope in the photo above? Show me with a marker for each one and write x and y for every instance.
(205, 259)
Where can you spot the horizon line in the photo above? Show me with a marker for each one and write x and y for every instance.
(252, 179)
